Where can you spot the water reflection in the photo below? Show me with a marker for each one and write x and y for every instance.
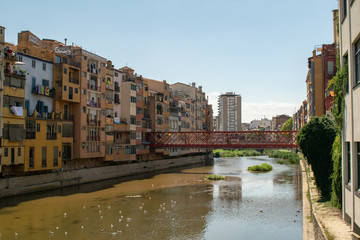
(179, 205)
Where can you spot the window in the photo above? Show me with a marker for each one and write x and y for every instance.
(133, 135)
(76, 90)
(38, 127)
(30, 129)
(33, 63)
(83, 109)
(357, 62)
(132, 87)
(19, 152)
(45, 83)
(83, 91)
(44, 66)
(31, 157)
(330, 68)
(64, 87)
(43, 157)
(348, 161)
(70, 93)
(84, 74)
(132, 120)
(133, 99)
(6, 152)
(51, 128)
(57, 59)
(65, 70)
(59, 129)
(55, 160)
(358, 165)
(347, 87)
(344, 10)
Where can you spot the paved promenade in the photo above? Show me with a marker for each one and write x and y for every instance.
(320, 219)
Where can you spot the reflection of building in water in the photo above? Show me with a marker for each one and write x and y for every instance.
(291, 178)
(187, 215)
(231, 191)
(297, 182)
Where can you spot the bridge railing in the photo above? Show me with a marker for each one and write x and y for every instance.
(241, 139)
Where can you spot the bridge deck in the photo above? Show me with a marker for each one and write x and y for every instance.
(242, 139)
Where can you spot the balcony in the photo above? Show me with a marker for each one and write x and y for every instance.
(93, 122)
(92, 68)
(93, 87)
(93, 104)
(43, 90)
(92, 138)
(122, 141)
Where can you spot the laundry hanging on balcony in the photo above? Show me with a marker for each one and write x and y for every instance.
(18, 111)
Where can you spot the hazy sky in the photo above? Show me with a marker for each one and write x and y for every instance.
(258, 49)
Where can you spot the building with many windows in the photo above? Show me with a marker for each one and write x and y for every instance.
(229, 105)
(349, 21)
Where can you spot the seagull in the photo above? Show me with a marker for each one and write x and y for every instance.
(51, 233)
(82, 226)
(66, 233)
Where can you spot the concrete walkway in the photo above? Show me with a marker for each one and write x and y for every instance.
(320, 219)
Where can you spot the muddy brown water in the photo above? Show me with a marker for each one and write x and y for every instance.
(175, 205)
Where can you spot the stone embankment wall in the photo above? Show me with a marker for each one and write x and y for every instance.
(29, 184)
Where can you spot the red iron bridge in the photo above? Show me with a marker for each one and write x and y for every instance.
(242, 139)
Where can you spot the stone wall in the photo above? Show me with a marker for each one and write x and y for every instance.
(29, 184)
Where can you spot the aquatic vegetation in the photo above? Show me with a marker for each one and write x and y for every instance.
(235, 153)
(215, 177)
(287, 156)
(265, 167)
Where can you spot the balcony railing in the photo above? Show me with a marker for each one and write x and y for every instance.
(93, 87)
(93, 104)
(93, 122)
(93, 138)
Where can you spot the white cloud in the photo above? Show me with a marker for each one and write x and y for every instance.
(251, 111)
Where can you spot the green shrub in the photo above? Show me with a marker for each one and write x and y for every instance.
(336, 176)
(289, 157)
(287, 126)
(215, 177)
(235, 153)
(315, 140)
(265, 167)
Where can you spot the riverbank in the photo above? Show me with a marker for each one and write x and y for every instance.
(29, 184)
(320, 219)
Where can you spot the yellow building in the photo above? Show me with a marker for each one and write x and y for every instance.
(13, 114)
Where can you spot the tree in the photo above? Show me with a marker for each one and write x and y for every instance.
(315, 140)
(287, 126)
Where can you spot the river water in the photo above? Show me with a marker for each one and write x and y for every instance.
(176, 205)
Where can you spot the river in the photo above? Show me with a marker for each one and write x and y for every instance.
(177, 205)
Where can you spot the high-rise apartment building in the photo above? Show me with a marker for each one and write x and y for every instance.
(229, 112)
(2, 76)
(349, 19)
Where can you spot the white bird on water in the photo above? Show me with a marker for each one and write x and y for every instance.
(65, 214)
(51, 233)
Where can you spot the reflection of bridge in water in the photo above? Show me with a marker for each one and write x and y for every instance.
(242, 139)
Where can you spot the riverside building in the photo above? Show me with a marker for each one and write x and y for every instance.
(229, 105)
(349, 22)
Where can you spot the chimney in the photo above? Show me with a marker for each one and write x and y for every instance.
(200, 88)
(65, 41)
(193, 84)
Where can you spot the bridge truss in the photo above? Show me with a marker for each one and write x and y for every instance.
(242, 139)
